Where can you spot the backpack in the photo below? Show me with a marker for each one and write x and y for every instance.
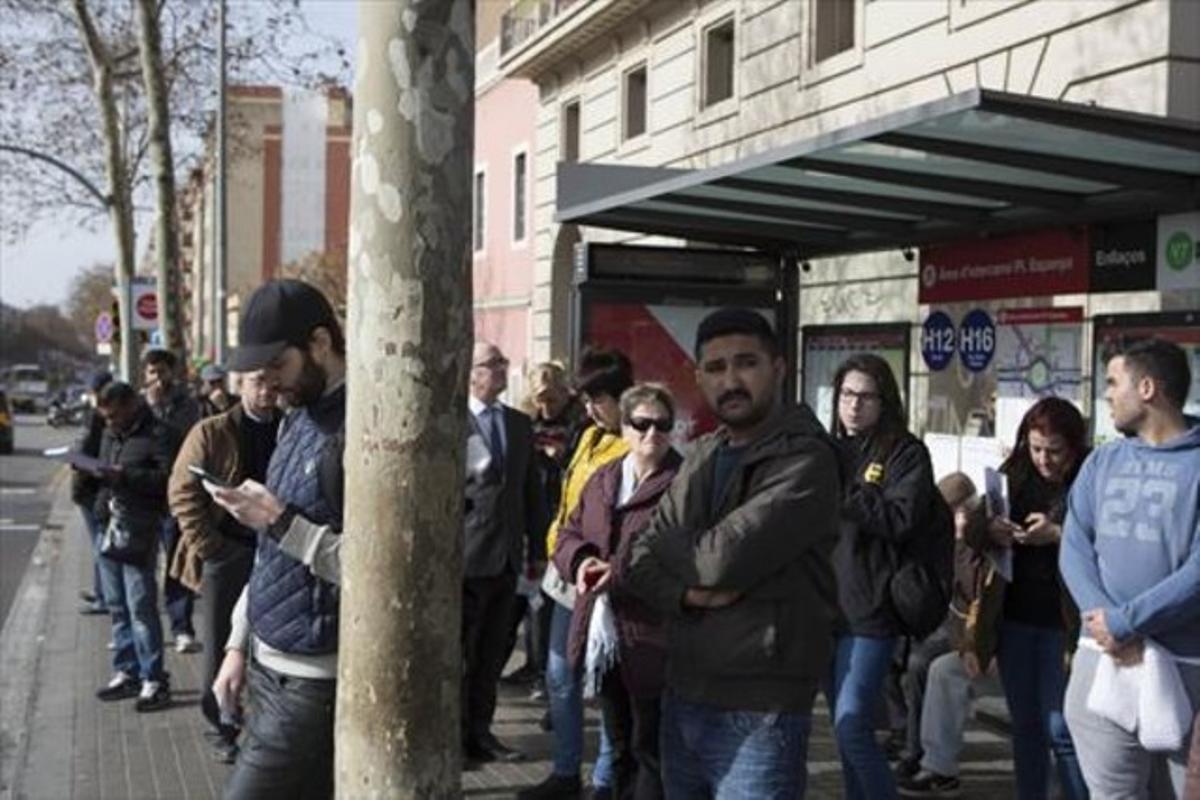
(921, 587)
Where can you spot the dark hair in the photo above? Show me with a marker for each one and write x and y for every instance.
(1048, 416)
(604, 372)
(734, 321)
(159, 356)
(892, 424)
(1163, 362)
(117, 393)
(337, 341)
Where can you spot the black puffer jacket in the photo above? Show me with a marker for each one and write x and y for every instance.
(84, 486)
(877, 518)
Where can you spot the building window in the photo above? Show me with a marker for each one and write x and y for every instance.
(635, 102)
(833, 28)
(718, 63)
(478, 217)
(519, 197)
(570, 132)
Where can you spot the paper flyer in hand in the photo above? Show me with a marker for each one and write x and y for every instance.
(75, 458)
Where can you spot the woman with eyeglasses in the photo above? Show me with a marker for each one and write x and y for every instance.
(887, 499)
(615, 640)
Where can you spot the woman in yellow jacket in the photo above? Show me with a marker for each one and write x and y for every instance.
(603, 376)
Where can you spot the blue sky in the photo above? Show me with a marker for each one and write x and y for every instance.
(39, 268)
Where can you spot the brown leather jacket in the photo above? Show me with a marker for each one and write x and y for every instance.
(212, 443)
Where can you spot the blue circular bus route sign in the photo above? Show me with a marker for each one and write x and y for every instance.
(937, 340)
(976, 340)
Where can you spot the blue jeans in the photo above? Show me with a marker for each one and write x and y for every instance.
(177, 597)
(92, 528)
(1031, 669)
(565, 693)
(132, 597)
(860, 665)
(732, 755)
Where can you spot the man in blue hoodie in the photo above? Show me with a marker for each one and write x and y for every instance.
(1131, 557)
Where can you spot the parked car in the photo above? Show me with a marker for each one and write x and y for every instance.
(6, 425)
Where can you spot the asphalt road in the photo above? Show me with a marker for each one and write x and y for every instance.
(25, 479)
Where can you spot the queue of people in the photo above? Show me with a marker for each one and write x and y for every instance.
(701, 595)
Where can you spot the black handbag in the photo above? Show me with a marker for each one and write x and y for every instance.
(124, 542)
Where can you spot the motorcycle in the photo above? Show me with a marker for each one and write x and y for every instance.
(65, 414)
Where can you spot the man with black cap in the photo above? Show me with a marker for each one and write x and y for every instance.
(285, 624)
(737, 559)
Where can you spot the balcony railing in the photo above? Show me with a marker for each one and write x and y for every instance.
(526, 17)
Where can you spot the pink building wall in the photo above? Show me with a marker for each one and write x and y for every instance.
(505, 124)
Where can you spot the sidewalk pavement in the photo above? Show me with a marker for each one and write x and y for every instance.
(58, 741)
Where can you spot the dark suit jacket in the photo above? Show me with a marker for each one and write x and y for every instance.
(505, 513)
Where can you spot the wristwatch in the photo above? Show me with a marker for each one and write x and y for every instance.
(279, 527)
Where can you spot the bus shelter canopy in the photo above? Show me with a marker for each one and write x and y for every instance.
(972, 164)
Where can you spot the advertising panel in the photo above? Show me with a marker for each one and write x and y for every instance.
(826, 347)
(1040, 263)
(658, 338)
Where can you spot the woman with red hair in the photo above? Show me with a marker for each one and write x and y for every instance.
(1029, 624)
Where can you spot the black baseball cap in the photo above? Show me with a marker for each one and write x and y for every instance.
(278, 314)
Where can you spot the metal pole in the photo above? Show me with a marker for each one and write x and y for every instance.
(220, 234)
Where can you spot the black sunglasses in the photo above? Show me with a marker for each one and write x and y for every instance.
(643, 424)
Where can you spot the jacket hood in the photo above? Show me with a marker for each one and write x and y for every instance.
(1188, 440)
(795, 420)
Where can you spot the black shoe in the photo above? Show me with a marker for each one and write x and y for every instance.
(893, 745)
(546, 723)
(929, 784)
(906, 768)
(154, 695)
(601, 793)
(521, 677)
(488, 748)
(555, 787)
(89, 597)
(121, 687)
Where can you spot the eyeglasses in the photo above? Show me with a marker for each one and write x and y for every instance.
(848, 396)
(643, 424)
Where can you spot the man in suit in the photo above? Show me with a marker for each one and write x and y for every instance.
(504, 516)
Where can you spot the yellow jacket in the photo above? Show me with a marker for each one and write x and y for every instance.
(596, 448)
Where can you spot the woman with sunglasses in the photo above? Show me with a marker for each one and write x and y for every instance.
(615, 640)
(887, 500)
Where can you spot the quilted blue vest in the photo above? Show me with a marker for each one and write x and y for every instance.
(291, 609)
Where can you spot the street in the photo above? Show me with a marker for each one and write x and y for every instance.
(25, 495)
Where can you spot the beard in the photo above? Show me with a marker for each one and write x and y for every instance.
(309, 386)
(750, 415)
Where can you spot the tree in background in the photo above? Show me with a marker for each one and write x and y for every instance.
(73, 98)
(90, 294)
(324, 270)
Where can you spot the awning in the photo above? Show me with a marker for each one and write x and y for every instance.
(975, 163)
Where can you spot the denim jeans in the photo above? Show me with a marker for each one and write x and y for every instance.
(860, 665)
(732, 755)
(1031, 669)
(91, 527)
(564, 690)
(132, 598)
(177, 597)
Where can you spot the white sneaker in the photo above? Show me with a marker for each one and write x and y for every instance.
(186, 643)
(149, 689)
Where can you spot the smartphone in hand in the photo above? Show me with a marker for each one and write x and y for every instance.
(204, 475)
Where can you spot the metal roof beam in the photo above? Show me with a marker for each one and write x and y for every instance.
(699, 227)
(1086, 169)
(930, 209)
(842, 219)
(1006, 192)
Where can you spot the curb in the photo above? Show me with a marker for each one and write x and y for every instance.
(23, 634)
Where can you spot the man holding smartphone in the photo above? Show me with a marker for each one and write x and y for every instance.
(284, 642)
(216, 552)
